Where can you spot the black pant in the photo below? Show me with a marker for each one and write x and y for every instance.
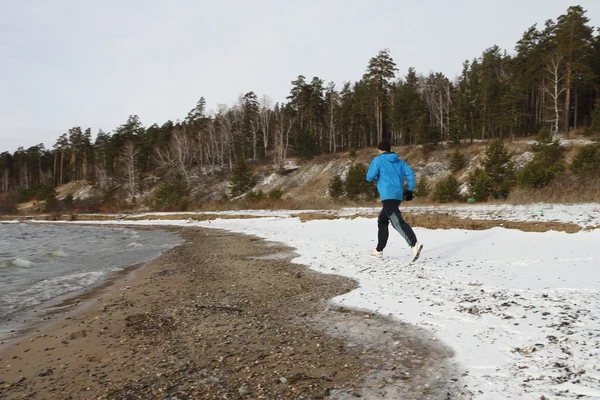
(390, 212)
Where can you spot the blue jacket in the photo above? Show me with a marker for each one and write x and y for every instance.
(390, 172)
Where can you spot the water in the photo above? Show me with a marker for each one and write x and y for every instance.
(39, 263)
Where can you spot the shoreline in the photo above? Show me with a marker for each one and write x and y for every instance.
(68, 304)
(41, 316)
(188, 326)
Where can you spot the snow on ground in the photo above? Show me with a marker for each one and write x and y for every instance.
(584, 215)
(520, 309)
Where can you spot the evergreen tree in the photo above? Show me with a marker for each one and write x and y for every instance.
(547, 162)
(172, 194)
(457, 161)
(422, 188)
(447, 190)
(594, 128)
(356, 186)
(380, 71)
(500, 171)
(241, 179)
(250, 123)
(575, 42)
(480, 185)
(336, 187)
(586, 162)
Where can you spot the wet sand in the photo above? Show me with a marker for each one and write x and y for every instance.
(224, 316)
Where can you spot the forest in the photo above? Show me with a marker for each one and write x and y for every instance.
(549, 82)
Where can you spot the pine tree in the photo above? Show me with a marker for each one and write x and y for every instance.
(575, 40)
(241, 179)
(499, 168)
(380, 71)
(586, 162)
(356, 186)
(457, 161)
(408, 110)
(422, 188)
(336, 187)
(547, 162)
(594, 128)
(480, 185)
(250, 123)
(446, 190)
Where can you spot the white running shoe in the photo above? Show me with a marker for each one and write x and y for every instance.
(416, 251)
(377, 253)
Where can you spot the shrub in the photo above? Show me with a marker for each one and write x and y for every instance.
(276, 194)
(356, 185)
(68, 201)
(51, 204)
(256, 196)
(480, 185)
(447, 190)
(457, 161)
(422, 189)
(241, 179)
(8, 203)
(336, 187)
(172, 194)
(594, 128)
(546, 164)
(500, 169)
(38, 192)
(587, 160)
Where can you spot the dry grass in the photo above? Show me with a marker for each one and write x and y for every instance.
(446, 221)
(430, 221)
(268, 204)
(566, 189)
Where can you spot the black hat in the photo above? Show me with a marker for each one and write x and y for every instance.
(384, 145)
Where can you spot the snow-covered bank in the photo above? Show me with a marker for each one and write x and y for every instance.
(584, 215)
(521, 310)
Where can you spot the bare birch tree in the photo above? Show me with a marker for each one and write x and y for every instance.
(435, 90)
(264, 121)
(332, 98)
(178, 155)
(555, 90)
(283, 126)
(129, 159)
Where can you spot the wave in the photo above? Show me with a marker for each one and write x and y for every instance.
(50, 288)
(57, 253)
(20, 262)
(135, 244)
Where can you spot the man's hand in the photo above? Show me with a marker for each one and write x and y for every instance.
(409, 195)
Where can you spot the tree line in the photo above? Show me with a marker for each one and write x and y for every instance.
(551, 80)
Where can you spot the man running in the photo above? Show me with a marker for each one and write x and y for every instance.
(390, 172)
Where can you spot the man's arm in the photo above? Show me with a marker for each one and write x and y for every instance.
(410, 177)
(373, 171)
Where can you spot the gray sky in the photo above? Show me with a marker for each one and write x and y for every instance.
(92, 64)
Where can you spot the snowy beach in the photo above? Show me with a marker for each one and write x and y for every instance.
(521, 310)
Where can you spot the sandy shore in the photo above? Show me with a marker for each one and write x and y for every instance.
(224, 316)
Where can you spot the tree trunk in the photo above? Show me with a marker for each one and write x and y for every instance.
(575, 110)
(62, 156)
(568, 98)
(54, 170)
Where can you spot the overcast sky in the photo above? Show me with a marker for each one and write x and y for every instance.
(92, 64)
